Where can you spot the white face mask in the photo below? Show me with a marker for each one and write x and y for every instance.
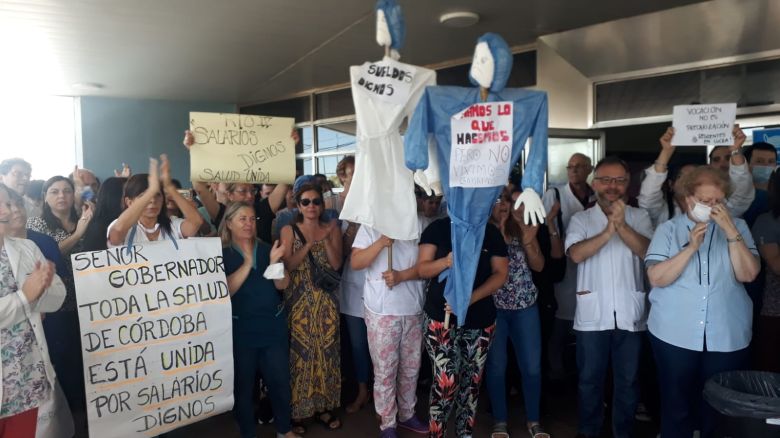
(700, 212)
(383, 37)
(483, 66)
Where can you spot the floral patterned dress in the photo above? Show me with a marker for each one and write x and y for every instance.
(24, 375)
(519, 291)
(313, 316)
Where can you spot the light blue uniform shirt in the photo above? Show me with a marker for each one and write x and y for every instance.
(706, 299)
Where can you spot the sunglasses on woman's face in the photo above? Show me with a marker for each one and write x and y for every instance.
(306, 201)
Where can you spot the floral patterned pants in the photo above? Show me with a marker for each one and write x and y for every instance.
(458, 356)
(395, 343)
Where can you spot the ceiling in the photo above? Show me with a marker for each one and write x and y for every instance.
(241, 51)
(709, 33)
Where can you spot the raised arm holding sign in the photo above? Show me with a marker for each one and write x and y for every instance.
(241, 148)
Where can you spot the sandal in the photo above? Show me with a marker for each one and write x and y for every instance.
(355, 406)
(499, 431)
(298, 427)
(328, 420)
(536, 431)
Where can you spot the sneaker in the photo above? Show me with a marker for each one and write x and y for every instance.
(388, 433)
(415, 425)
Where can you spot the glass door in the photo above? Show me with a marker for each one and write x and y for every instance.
(561, 144)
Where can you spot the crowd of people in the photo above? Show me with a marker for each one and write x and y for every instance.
(688, 273)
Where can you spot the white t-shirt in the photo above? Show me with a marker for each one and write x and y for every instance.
(405, 298)
(351, 287)
(140, 236)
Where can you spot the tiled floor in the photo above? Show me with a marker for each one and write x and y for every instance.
(559, 418)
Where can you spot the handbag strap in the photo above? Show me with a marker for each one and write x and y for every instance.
(559, 216)
(299, 233)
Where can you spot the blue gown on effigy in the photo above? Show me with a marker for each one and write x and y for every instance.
(469, 208)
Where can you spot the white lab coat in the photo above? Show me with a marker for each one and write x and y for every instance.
(14, 308)
(382, 191)
(610, 283)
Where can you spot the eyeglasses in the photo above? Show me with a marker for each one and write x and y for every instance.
(607, 180)
(578, 167)
(306, 201)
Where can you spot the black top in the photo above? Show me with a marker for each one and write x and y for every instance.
(265, 218)
(553, 272)
(481, 314)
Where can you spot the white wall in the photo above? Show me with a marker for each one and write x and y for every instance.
(570, 94)
(116, 131)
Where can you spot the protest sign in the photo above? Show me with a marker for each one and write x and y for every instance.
(386, 80)
(155, 335)
(242, 148)
(703, 125)
(481, 145)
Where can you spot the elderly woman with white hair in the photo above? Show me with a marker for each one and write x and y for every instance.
(28, 287)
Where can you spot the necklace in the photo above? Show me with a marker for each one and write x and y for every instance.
(149, 230)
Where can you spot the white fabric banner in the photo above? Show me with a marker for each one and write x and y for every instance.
(481, 151)
(156, 336)
(386, 80)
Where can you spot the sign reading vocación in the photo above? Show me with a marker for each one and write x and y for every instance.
(155, 335)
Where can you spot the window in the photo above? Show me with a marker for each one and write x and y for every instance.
(334, 104)
(47, 139)
(337, 137)
(324, 140)
(298, 108)
(326, 120)
(749, 84)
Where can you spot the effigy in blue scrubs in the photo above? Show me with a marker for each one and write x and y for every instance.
(478, 141)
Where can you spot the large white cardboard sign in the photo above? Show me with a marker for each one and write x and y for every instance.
(242, 148)
(156, 336)
(481, 148)
(702, 125)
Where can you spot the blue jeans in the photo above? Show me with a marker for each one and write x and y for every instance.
(273, 362)
(594, 350)
(524, 329)
(358, 338)
(681, 377)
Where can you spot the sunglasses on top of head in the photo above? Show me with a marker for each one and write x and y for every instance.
(316, 201)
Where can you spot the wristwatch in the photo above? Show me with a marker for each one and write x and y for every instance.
(737, 151)
(736, 238)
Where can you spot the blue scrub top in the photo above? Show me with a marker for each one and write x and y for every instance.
(259, 319)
